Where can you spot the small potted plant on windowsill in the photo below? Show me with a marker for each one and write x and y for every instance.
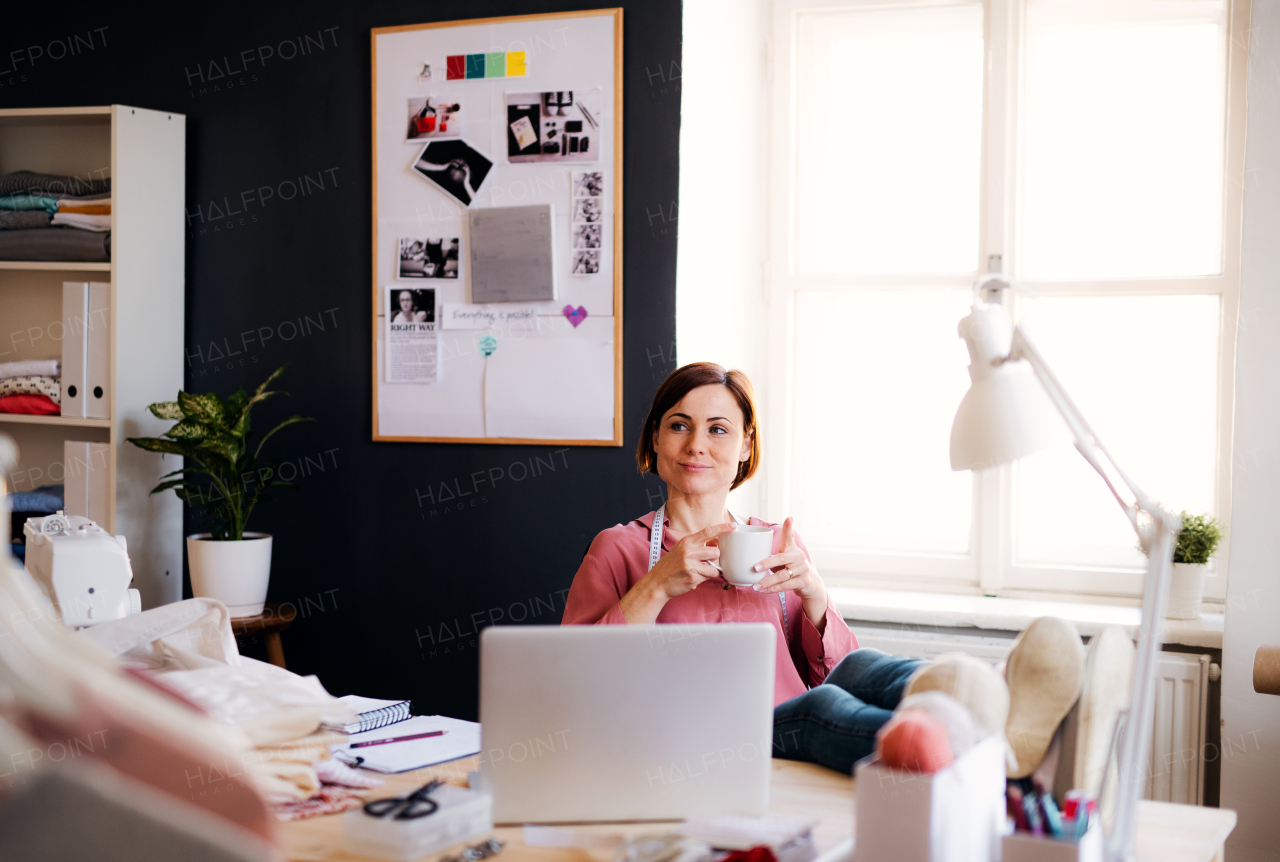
(222, 475)
(1197, 542)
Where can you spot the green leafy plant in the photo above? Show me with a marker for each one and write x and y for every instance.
(1198, 539)
(213, 435)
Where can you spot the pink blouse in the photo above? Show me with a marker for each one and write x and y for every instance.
(619, 557)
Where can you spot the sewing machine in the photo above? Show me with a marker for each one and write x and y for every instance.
(83, 569)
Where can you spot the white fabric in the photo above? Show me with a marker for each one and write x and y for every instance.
(83, 221)
(44, 665)
(30, 368)
(253, 690)
(185, 635)
(192, 644)
(336, 772)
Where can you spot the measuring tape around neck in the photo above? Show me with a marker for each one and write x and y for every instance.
(655, 552)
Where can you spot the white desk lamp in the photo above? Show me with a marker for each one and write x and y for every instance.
(1005, 416)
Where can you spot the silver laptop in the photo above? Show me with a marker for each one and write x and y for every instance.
(606, 723)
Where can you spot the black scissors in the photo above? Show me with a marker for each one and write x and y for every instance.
(416, 804)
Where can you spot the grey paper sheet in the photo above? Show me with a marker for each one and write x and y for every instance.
(511, 254)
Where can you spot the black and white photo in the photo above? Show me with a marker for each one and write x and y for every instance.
(428, 257)
(588, 184)
(412, 306)
(586, 236)
(454, 167)
(586, 261)
(589, 210)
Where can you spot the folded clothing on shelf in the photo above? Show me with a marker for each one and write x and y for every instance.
(55, 243)
(83, 221)
(44, 500)
(29, 182)
(25, 367)
(32, 384)
(36, 405)
(28, 203)
(86, 206)
(23, 219)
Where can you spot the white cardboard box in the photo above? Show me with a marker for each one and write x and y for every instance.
(1021, 847)
(955, 815)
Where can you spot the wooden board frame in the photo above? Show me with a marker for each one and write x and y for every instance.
(616, 13)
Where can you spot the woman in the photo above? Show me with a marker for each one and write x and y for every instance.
(409, 311)
(701, 437)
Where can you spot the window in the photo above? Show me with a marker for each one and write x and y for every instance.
(1094, 151)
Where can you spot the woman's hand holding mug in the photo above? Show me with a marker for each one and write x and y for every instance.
(680, 570)
(793, 571)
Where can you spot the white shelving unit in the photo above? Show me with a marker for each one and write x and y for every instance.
(144, 153)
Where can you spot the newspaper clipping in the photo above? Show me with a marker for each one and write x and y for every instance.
(413, 343)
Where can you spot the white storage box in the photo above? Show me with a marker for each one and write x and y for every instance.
(955, 815)
(463, 814)
(1021, 847)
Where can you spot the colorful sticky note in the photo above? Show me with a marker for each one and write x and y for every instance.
(487, 346)
(475, 66)
(455, 67)
(495, 65)
(515, 64)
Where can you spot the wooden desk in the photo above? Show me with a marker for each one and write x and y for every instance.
(1166, 832)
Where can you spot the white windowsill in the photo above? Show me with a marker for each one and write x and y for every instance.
(1009, 615)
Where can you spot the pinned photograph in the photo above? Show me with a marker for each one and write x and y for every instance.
(454, 167)
(433, 117)
(554, 125)
(412, 343)
(426, 257)
(586, 261)
(413, 306)
(587, 210)
(588, 184)
(586, 236)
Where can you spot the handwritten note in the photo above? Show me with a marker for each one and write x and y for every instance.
(508, 316)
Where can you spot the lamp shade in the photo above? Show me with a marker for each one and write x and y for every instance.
(1006, 414)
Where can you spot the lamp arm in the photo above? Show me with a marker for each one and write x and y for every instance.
(1085, 440)
(1136, 743)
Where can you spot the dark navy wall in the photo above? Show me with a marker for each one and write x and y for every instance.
(391, 588)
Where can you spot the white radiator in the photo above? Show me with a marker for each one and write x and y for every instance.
(1176, 770)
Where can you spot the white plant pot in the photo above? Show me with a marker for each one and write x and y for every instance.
(234, 573)
(1186, 591)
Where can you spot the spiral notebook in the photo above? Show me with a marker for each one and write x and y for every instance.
(373, 713)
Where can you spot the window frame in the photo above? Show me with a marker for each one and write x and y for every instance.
(989, 568)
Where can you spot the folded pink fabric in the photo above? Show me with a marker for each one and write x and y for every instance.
(330, 799)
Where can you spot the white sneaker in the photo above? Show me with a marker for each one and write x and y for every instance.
(1045, 669)
(1108, 676)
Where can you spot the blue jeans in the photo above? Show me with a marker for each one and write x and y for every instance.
(835, 724)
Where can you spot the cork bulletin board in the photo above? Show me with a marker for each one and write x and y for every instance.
(497, 230)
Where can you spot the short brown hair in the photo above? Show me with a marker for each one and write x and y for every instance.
(680, 383)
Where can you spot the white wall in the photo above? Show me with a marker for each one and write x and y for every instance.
(724, 125)
(1251, 721)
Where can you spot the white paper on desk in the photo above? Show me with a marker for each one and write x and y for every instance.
(503, 315)
(461, 739)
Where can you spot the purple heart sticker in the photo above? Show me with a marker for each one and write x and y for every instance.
(575, 316)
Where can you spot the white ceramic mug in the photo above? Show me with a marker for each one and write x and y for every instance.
(741, 550)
